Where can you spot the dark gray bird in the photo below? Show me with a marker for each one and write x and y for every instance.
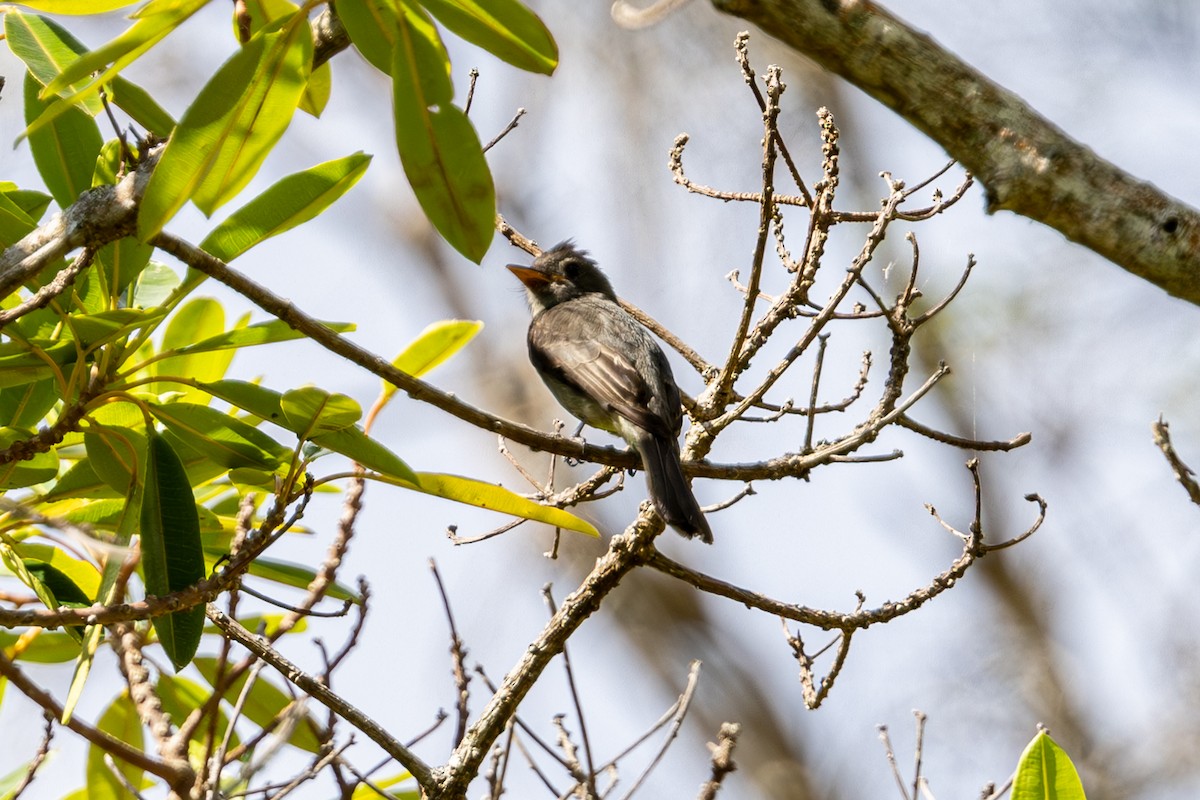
(605, 368)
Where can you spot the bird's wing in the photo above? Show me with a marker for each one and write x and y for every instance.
(589, 358)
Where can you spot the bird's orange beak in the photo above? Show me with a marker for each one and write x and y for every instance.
(533, 278)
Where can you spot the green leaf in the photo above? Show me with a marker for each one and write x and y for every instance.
(65, 150)
(351, 442)
(226, 440)
(87, 7)
(367, 791)
(264, 703)
(79, 581)
(373, 28)
(497, 498)
(259, 333)
(439, 148)
(198, 319)
(1045, 772)
(46, 48)
(14, 222)
(120, 721)
(172, 557)
(432, 347)
(154, 21)
(297, 576)
(26, 406)
(38, 468)
(181, 696)
(317, 91)
(291, 201)
(141, 107)
(311, 411)
(32, 204)
(505, 28)
(155, 283)
(49, 647)
(228, 130)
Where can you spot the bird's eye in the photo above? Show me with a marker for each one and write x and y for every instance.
(571, 270)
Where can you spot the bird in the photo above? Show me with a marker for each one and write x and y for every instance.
(604, 367)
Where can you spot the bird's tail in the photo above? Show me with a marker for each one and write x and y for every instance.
(669, 488)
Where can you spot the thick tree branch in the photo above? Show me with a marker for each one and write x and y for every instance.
(1027, 164)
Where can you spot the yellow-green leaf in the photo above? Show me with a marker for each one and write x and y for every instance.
(1045, 772)
(88, 7)
(433, 346)
(311, 411)
(497, 498)
(264, 703)
(226, 133)
(65, 150)
(120, 721)
(291, 201)
(505, 28)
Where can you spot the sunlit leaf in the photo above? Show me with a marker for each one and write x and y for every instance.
(226, 440)
(373, 28)
(47, 49)
(264, 702)
(226, 133)
(82, 575)
(291, 201)
(153, 22)
(65, 150)
(351, 441)
(197, 319)
(311, 411)
(505, 28)
(433, 346)
(120, 721)
(259, 333)
(172, 557)
(49, 647)
(77, 6)
(439, 148)
(497, 498)
(298, 576)
(1045, 772)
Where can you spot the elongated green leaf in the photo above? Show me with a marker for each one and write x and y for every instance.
(367, 791)
(373, 27)
(264, 703)
(226, 440)
(154, 21)
(259, 333)
(32, 204)
(14, 222)
(50, 647)
(298, 576)
(77, 6)
(439, 148)
(433, 346)
(46, 48)
(172, 557)
(1045, 772)
(228, 130)
(120, 721)
(505, 28)
(291, 201)
(26, 406)
(311, 411)
(141, 107)
(351, 442)
(198, 319)
(65, 150)
(81, 575)
(497, 498)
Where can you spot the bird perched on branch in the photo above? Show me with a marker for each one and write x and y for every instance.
(605, 368)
